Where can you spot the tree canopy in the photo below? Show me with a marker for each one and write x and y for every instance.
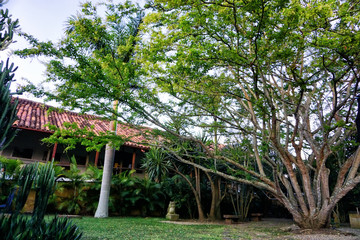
(277, 77)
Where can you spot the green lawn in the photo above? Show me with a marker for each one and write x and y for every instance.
(154, 228)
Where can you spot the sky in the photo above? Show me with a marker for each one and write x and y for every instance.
(45, 20)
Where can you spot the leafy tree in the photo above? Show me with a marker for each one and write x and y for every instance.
(177, 189)
(7, 106)
(285, 73)
(95, 54)
(282, 75)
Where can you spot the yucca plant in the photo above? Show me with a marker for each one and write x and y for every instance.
(13, 226)
(61, 229)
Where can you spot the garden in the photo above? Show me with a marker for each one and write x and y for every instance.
(248, 110)
(137, 208)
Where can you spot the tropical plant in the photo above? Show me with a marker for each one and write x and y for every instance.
(73, 194)
(149, 195)
(9, 172)
(7, 105)
(91, 188)
(123, 186)
(282, 75)
(22, 227)
(157, 164)
(25, 182)
(178, 190)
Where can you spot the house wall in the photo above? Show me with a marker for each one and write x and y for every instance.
(28, 147)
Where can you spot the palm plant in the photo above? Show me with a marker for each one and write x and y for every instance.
(149, 195)
(74, 184)
(157, 164)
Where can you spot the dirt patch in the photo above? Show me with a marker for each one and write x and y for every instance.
(195, 222)
(278, 229)
(322, 232)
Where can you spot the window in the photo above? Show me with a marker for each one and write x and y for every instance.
(22, 153)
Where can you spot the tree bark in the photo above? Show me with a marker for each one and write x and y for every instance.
(196, 195)
(102, 210)
(215, 212)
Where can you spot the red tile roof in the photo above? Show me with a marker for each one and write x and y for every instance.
(34, 115)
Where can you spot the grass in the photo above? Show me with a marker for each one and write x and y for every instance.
(144, 228)
(154, 228)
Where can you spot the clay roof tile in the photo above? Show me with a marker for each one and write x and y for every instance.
(34, 116)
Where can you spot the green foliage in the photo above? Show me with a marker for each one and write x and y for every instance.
(27, 176)
(71, 135)
(122, 192)
(280, 76)
(74, 188)
(7, 106)
(61, 229)
(9, 172)
(10, 166)
(44, 187)
(156, 164)
(101, 51)
(17, 226)
(128, 192)
(149, 195)
(20, 228)
(179, 191)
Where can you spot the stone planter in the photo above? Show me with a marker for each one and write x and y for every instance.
(354, 220)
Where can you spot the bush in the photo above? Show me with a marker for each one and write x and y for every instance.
(20, 227)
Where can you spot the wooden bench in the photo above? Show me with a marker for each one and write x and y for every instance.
(229, 219)
(256, 217)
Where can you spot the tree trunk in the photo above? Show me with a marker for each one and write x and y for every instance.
(102, 210)
(196, 195)
(322, 220)
(215, 213)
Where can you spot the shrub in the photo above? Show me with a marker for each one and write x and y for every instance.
(20, 227)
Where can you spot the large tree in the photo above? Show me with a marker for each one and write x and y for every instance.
(7, 106)
(93, 68)
(284, 75)
(280, 75)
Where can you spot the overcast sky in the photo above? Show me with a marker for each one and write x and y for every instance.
(45, 20)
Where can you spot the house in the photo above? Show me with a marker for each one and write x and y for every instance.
(28, 147)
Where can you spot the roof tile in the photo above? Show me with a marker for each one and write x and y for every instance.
(34, 116)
